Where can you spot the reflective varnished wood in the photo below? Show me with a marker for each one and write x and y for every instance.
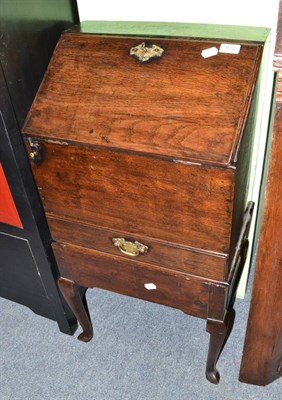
(262, 356)
(154, 152)
(161, 107)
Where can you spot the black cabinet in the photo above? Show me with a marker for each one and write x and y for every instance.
(29, 32)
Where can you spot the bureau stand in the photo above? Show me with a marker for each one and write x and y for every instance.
(140, 149)
(219, 320)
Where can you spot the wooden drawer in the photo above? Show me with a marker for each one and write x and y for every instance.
(185, 204)
(91, 268)
(173, 258)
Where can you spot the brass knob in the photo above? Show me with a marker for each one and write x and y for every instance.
(129, 248)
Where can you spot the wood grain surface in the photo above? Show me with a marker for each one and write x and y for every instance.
(183, 204)
(262, 358)
(148, 152)
(171, 257)
(95, 269)
(181, 104)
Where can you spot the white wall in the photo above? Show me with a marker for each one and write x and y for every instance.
(229, 12)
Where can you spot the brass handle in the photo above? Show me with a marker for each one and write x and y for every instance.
(131, 249)
(144, 53)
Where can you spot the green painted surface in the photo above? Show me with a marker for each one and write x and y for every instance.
(259, 124)
(176, 29)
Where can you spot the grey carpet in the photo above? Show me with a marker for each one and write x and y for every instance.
(141, 351)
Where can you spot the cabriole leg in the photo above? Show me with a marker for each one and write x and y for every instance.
(219, 331)
(70, 291)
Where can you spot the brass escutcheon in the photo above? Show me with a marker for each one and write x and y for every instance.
(36, 151)
(129, 248)
(144, 53)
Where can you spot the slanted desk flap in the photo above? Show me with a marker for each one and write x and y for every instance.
(178, 104)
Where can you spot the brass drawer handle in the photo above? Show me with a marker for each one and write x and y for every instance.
(144, 53)
(131, 249)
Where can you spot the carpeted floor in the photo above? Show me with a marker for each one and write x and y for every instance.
(141, 351)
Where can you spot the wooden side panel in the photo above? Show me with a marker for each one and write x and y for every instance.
(262, 358)
(91, 268)
(181, 104)
(175, 258)
(184, 204)
(277, 60)
(243, 175)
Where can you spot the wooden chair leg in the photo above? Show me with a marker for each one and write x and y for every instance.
(219, 331)
(70, 291)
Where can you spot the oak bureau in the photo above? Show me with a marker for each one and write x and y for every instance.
(140, 152)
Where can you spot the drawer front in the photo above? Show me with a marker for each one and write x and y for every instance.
(185, 204)
(173, 258)
(91, 268)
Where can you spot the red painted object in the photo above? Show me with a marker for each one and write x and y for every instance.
(8, 211)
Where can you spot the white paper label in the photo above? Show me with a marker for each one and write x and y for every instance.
(150, 286)
(230, 48)
(210, 52)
